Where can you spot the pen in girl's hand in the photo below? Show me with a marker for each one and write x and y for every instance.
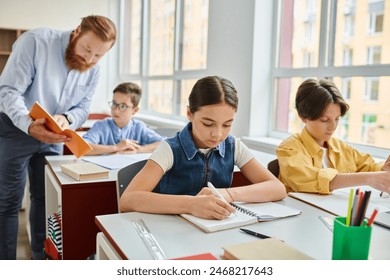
(215, 192)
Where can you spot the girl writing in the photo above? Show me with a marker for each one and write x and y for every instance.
(174, 179)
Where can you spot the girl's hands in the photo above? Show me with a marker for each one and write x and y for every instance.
(208, 206)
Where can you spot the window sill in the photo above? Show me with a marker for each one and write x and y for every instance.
(159, 122)
(269, 145)
(262, 144)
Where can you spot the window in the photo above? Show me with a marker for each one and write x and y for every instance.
(346, 88)
(349, 22)
(349, 18)
(164, 46)
(376, 15)
(308, 60)
(131, 62)
(353, 60)
(348, 54)
(161, 38)
(372, 89)
(374, 55)
(343, 127)
(368, 128)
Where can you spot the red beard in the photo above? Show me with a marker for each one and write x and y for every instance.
(74, 61)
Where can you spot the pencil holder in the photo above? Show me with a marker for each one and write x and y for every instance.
(350, 242)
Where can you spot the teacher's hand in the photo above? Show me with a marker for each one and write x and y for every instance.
(38, 130)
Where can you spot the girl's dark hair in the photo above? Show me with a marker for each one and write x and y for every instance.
(313, 97)
(212, 90)
(131, 89)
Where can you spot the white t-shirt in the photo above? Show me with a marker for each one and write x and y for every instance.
(325, 159)
(163, 155)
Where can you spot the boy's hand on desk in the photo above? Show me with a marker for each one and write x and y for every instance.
(127, 145)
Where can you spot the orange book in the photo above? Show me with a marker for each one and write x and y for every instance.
(77, 145)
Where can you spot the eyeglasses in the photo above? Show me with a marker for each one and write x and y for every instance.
(122, 107)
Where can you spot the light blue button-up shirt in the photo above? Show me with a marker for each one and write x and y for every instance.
(106, 132)
(36, 71)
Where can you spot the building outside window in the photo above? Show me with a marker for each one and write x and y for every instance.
(349, 18)
(355, 61)
(346, 88)
(372, 89)
(164, 48)
(348, 56)
(368, 128)
(375, 16)
(164, 45)
(374, 54)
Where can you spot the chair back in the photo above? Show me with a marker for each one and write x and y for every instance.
(98, 116)
(126, 174)
(273, 166)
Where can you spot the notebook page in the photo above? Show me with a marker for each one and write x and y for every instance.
(337, 202)
(240, 219)
(268, 211)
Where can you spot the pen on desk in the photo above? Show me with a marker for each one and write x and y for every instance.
(381, 194)
(217, 193)
(255, 233)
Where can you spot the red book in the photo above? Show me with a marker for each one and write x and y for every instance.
(205, 256)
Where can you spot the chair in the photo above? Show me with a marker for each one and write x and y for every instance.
(239, 180)
(126, 174)
(273, 166)
(98, 116)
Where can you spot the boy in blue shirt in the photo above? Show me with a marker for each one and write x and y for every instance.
(121, 133)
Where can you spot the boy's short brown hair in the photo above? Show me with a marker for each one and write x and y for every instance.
(132, 89)
(313, 97)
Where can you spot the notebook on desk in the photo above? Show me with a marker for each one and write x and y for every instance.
(383, 219)
(246, 214)
(336, 203)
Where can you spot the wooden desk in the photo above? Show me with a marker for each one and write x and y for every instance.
(178, 238)
(79, 203)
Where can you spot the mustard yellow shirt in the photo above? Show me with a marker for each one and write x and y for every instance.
(300, 161)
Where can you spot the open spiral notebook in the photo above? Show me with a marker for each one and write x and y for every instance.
(246, 214)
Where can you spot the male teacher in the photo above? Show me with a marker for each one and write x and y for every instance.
(59, 70)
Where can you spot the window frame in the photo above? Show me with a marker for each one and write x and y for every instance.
(324, 69)
(368, 96)
(143, 77)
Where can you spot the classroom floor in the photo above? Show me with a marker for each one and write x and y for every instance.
(23, 248)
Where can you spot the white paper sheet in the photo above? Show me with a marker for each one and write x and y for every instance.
(116, 161)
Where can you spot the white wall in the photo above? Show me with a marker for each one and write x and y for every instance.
(240, 36)
(63, 15)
